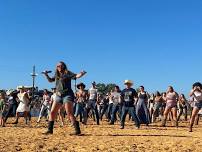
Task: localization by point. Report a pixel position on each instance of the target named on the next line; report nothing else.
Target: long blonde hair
(64, 68)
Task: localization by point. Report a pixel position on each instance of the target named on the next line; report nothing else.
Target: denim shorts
(65, 99)
(198, 105)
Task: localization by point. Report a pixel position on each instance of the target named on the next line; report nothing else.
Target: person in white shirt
(46, 104)
(92, 103)
(110, 106)
(23, 107)
(196, 92)
(116, 98)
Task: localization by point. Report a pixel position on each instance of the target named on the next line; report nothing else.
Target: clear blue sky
(155, 43)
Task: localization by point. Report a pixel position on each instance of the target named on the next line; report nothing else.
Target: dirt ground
(100, 138)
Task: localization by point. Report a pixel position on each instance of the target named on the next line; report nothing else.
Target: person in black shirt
(65, 95)
(13, 104)
(128, 96)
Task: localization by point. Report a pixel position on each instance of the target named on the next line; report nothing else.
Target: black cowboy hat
(93, 83)
(81, 84)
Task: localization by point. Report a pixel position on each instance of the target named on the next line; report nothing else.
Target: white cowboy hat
(128, 82)
(9, 92)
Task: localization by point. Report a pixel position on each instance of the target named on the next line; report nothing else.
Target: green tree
(101, 88)
(105, 88)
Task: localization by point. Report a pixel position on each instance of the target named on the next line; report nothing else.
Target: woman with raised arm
(196, 92)
(65, 95)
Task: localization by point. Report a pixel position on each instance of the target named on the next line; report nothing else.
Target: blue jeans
(116, 108)
(142, 112)
(103, 110)
(80, 111)
(11, 111)
(109, 111)
(132, 112)
(92, 105)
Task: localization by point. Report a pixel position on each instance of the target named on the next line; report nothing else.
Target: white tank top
(197, 96)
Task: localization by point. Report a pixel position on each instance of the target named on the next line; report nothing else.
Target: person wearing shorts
(64, 95)
(171, 106)
(196, 92)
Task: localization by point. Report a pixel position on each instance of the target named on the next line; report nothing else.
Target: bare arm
(192, 93)
(49, 78)
(81, 74)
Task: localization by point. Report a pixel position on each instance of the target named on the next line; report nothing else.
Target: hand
(83, 72)
(46, 72)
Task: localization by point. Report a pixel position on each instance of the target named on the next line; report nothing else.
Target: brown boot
(77, 129)
(50, 128)
(176, 123)
(190, 128)
(163, 124)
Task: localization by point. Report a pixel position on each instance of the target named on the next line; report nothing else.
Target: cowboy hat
(93, 83)
(9, 92)
(81, 84)
(128, 82)
(20, 87)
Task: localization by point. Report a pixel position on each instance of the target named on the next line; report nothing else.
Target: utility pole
(33, 74)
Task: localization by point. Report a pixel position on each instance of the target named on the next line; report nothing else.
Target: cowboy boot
(176, 123)
(190, 128)
(163, 122)
(50, 128)
(77, 128)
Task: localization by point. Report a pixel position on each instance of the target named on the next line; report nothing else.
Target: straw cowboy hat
(20, 87)
(128, 82)
(81, 84)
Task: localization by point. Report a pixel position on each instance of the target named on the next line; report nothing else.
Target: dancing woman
(46, 104)
(81, 99)
(116, 97)
(142, 111)
(23, 107)
(65, 95)
(196, 92)
(171, 105)
(2, 108)
(182, 107)
(158, 106)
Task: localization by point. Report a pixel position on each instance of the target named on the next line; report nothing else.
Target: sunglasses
(59, 66)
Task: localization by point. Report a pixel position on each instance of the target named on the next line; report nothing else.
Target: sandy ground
(100, 138)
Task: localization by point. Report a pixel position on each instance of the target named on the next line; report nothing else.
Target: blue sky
(155, 43)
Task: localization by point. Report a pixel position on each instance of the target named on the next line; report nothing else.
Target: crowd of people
(81, 105)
